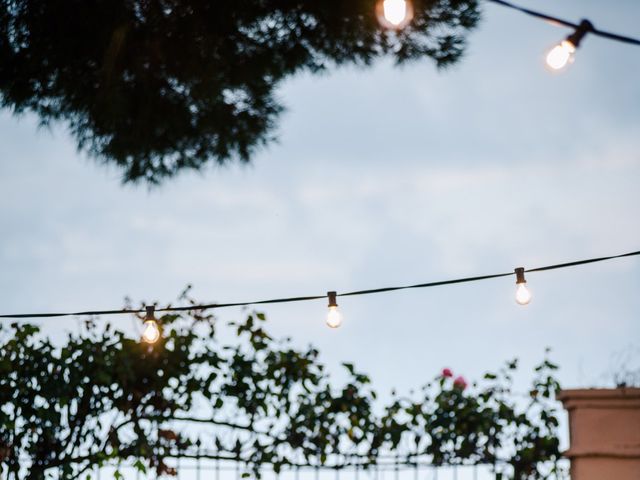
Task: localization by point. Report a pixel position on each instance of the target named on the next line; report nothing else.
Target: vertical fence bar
(397, 468)
(198, 463)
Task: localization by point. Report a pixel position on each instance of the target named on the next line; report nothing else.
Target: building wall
(604, 428)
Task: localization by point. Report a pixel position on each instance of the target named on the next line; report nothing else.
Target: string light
(151, 331)
(394, 14)
(334, 316)
(397, 14)
(154, 328)
(523, 295)
(563, 53)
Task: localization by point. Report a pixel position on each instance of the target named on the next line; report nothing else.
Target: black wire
(425, 285)
(582, 262)
(318, 297)
(74, 314)
(239, 304)
(567, 23)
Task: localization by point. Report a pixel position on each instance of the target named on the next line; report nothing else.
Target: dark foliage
(102, 398)
(157, 86)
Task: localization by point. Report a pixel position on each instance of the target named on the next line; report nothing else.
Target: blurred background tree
(159, 86)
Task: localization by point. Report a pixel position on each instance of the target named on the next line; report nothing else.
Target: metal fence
(222, 470)
(207, 469)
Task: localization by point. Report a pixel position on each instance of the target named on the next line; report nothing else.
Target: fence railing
(201, 469)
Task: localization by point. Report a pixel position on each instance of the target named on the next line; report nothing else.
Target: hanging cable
(566, 23)
(331, 295)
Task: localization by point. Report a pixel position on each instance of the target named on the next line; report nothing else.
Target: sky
(380, 177)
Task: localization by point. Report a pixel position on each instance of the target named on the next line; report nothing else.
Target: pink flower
(460, 382)
(447, 373)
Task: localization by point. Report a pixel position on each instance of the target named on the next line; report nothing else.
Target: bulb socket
(576, 37)
(520, 275)
(332, 299)
(150, 313)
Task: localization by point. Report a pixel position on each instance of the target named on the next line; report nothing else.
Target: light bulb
(334, 317)
(560, 55)
(394, 14)
(151, 332)
(523, 295)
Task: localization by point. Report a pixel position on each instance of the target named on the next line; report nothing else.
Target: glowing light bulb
(151, 330)
(334, 317)
(395, 11)
(560, 55)
(394, 14)
(523, 295)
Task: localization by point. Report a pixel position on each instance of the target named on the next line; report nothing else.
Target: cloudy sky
(382, 176)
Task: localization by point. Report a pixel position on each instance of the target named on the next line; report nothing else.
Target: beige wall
(604, 427)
